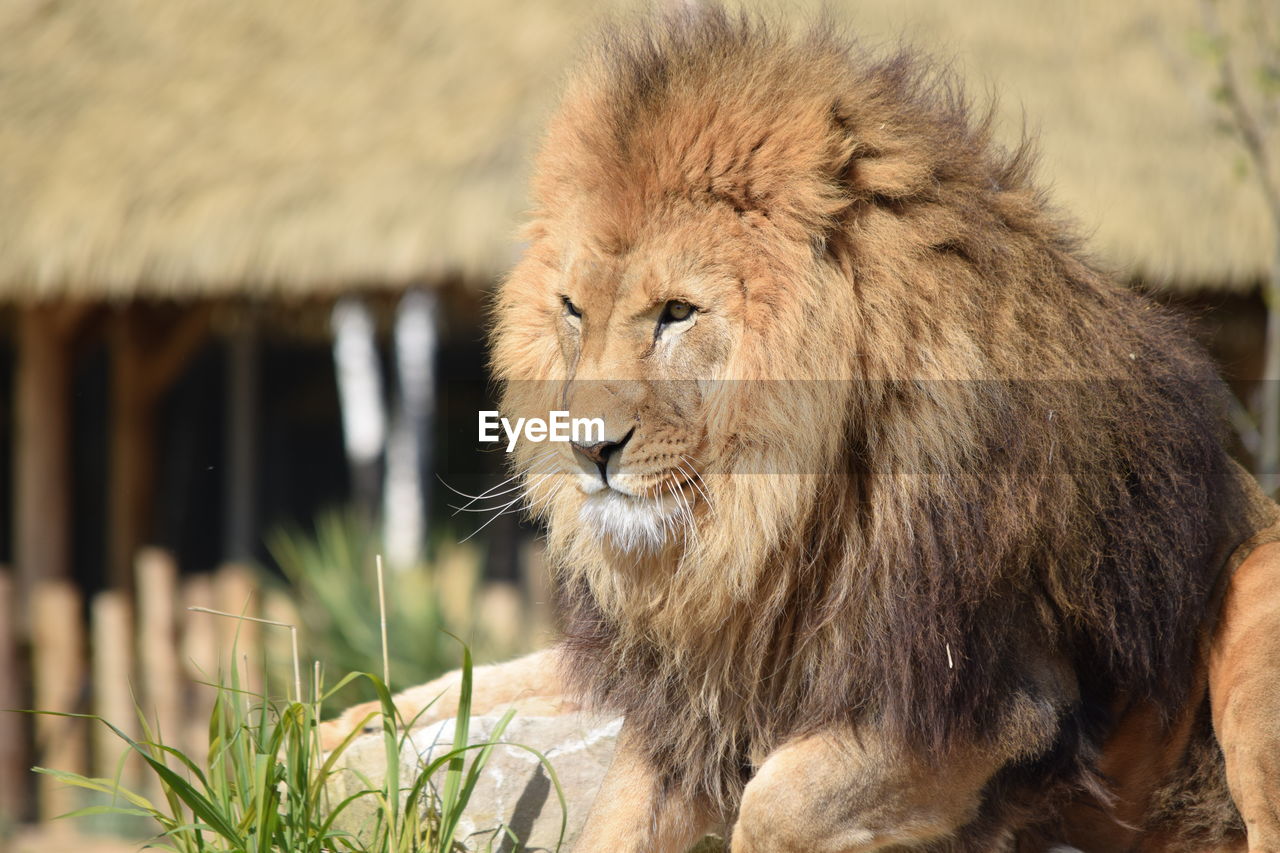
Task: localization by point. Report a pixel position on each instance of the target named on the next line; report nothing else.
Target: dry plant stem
(293, 635)
(382, 617)
(1253, 135)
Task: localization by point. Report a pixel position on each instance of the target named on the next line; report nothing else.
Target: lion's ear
(877, 157)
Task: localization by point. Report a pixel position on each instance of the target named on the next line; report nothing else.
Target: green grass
(265, 785)
(329, 575)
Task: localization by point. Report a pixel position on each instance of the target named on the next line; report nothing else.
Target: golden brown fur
(916, 485)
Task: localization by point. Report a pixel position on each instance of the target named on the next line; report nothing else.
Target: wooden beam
(42, 451)
(15, 778)
(147, 356)
(132, 452)
(169, 351)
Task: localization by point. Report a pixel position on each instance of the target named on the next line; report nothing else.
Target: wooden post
(199, 659)
(236, 592)
(111, 624)
(278, 643)
(457, 575)
(58, 675)
(158, 642)
(42, 451)
(14, 761)
(132, 454)
(500, 612)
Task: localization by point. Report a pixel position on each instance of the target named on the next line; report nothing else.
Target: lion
(909, 527)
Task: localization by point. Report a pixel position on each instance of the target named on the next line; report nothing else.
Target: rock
(514, 792)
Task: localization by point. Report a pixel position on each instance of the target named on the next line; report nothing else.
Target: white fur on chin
(630, 523)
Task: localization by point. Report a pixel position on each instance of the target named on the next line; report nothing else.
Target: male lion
(909, 527)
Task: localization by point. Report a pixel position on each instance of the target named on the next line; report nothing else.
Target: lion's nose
(600, 452)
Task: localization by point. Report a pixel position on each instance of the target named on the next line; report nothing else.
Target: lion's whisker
(510, 483)
(532, 503)
(550, 496)
(496, 516)
(513, 508)
(694, 479)
(485, 493)
(467, 507)
(491, 492)
(693, 527)
(695, 475)
(503, 509)
(666, 519)
(686, 512)
(684, 515)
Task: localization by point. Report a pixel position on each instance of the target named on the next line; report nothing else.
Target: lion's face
(636, 335)
(650, 342)
(704, 342)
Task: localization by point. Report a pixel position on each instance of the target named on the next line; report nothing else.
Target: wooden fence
(147, 652)
(115, 653)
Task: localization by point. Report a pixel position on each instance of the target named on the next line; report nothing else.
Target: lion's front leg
(531, 683)
(635, 813)
(837, 793)
(1244, 691)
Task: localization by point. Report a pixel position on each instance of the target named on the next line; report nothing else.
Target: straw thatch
(206, 147)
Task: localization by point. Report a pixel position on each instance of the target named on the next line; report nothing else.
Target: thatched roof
(229, 146)
(217, 146)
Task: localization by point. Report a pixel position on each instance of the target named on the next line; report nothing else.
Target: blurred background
(245, 249)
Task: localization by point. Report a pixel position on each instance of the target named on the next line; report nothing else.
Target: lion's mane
(1025, 462)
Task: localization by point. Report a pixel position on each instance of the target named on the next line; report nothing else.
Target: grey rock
(515, 795)
(515, 792)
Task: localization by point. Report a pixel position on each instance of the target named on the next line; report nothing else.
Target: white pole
(408, 448)
(359, 374)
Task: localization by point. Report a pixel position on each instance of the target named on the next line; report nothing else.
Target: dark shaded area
(1232, 326)
(6, 443)
(188, 511)
(530, 804)
(90, 446)
(303, 465)
(301, 468)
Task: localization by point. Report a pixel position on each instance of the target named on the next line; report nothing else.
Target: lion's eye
(570, 308)
(675, 311)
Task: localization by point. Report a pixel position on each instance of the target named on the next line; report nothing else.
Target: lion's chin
(630, 523)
